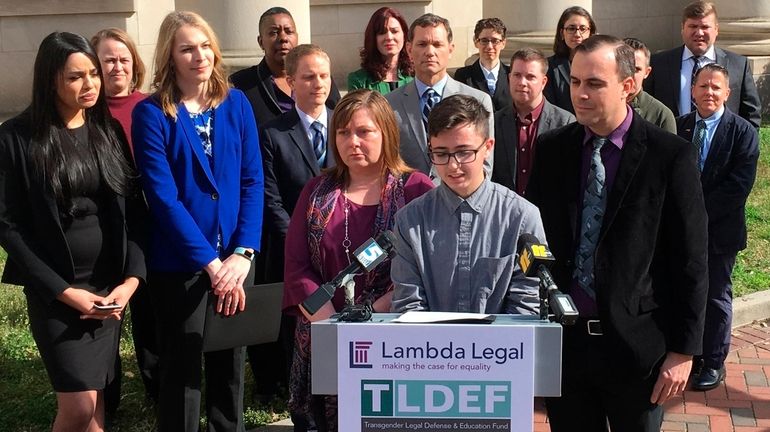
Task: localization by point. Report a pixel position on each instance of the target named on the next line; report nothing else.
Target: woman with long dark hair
(196, 145)
(69, 215)
(575, 25)
(385, 64)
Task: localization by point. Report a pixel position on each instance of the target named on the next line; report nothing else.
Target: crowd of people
(635, 168)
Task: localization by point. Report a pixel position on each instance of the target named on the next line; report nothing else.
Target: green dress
(361, 79)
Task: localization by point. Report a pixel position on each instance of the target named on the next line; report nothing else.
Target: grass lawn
(27, 402)
(752, 269)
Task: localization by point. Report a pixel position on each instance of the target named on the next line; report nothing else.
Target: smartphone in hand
(108, 307)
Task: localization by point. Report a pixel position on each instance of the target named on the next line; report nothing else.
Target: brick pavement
(740, 404)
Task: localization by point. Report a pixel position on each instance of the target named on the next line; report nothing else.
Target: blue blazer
(727, 178)
(663, 82)
(191, 202)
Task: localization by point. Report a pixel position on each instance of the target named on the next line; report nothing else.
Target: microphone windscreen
(386, 239)
(526, 238)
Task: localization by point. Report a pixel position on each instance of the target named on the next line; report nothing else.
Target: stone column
(530, 24)
(744, 27)
(236, 24)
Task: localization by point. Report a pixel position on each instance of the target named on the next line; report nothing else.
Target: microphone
(535, 259)
(365, 259)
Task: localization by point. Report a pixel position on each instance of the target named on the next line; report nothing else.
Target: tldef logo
(446, 399)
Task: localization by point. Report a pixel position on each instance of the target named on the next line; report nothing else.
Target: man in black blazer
(529, 117)
(290, 158)
(488, 73)
(624, 216)
(288, 152)
(729, 149)
(265, 84)
(672, 70)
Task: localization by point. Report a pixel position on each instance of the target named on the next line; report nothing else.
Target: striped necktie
(695, 68)
(594, 204)
(430, 99)
(319, 144)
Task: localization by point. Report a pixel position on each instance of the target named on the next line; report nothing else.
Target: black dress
(80, 354)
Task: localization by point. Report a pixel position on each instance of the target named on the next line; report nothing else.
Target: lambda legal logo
(359, 354)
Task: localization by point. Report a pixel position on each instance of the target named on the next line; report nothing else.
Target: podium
(547, 344)
(441, 377)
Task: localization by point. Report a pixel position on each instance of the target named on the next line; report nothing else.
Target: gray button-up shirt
(459, 255)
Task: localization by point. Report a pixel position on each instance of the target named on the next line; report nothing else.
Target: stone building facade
(337, 26)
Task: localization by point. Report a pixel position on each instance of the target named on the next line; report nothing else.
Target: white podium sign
(435, 377)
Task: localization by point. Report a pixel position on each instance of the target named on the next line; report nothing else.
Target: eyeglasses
(574, 29)
(461, 156)
(486, 41)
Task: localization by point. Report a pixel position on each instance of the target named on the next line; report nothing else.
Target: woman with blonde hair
(197, 149)
(336, 212)
(123, 71)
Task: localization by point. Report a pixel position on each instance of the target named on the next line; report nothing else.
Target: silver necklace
(346, 242)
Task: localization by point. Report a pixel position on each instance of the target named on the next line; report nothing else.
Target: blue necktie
(319, 144)
(594, 204)
(430, 99)
(491, 83)
(698, 139)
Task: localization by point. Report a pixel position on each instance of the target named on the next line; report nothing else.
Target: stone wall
(23, 24)
(338, 25)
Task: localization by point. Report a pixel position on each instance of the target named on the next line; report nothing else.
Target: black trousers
(594, 395)
(145, 338)
(719, 310)
(270, 362)
(180, 305)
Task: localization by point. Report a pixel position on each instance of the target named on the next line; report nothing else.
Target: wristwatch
(246, 253)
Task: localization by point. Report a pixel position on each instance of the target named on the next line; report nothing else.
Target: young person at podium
(456, 245)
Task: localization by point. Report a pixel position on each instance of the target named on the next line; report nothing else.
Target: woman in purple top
(337, 212)
(123, 71)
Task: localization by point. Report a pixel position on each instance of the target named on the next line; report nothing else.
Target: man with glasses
(728, 149)
(488, 73)
(456, 245)
(430, 46)
(672, 70)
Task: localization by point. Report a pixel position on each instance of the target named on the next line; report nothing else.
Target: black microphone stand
(353, 312)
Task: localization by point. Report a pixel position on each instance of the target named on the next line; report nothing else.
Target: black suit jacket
(727, 178)
(663, 82)
(557, 88)
(289, 163)
(507, 139)
(473, 76)
(650, 261)
(255, 83)
(30, 230)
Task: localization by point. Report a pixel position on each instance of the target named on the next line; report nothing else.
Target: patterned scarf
(322, 203)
